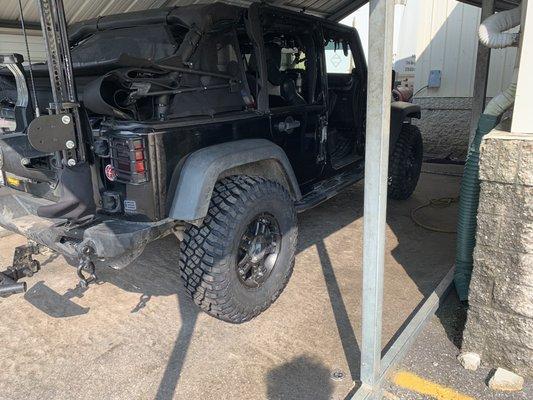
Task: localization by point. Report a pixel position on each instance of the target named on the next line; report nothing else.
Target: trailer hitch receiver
(23, 266)
(9, 286)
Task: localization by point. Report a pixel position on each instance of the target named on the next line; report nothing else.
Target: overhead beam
(347, 9)
(352, 6)
(500, 5)
(34, 26)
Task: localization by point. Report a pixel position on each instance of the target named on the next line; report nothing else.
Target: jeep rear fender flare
(400, 112)
(202, 169)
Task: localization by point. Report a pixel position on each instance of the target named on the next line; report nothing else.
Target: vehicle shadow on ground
(155, 273)
(301, 378)
(161, 279)
(342, 318)
(52, 303)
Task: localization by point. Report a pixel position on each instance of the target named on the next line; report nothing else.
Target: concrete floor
(433, 358)
(136, 335)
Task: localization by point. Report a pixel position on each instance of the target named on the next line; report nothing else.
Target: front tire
(237, 263)
(405, 163)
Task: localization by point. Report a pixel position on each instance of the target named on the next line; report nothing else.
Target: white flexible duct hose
(491, 35)
(502, 102)
(491, 30)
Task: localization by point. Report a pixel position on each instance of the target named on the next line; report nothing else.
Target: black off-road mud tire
(405, 163)
(208, 254)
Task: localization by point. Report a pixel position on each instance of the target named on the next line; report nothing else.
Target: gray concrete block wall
(500, 317)
(444, 125)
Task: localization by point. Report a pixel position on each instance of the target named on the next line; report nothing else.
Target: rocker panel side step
(329, 188)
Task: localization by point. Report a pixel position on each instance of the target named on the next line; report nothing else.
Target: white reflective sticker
(130, 205)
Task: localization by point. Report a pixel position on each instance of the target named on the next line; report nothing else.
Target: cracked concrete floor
(136, 335)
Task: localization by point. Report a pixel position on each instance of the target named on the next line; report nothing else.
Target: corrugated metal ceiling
(500, 4)
(79, 10)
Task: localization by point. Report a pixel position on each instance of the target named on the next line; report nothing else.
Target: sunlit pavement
(135, 335)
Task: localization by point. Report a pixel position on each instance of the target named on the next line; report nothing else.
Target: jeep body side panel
(400, 111)
(170, 143)
(202, 169)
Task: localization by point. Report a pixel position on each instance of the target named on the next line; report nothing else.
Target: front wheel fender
(401, 112)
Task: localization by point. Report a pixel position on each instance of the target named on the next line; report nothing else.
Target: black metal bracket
(61, 125)
(23, 266)
(54, 24)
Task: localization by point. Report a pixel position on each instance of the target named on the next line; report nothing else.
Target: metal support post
(481, 75)
(381, 24)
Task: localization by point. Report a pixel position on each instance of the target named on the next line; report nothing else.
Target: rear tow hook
(86, 269)
(23, 266)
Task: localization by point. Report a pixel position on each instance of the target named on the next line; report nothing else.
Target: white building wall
(447, 41)
(13, 43)
(442, 35)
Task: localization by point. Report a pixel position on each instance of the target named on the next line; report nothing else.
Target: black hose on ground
(468, 203)
(435, 203)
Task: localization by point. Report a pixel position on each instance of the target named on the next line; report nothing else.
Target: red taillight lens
(139, 157)
(129, 156)
(139, 150)
(139, 166)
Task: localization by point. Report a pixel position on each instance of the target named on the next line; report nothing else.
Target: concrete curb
(443, 169)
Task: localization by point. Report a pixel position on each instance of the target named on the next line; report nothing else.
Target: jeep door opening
(216, 123)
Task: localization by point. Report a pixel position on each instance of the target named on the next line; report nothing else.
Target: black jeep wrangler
(215, 123)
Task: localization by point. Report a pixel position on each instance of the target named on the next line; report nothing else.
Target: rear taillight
(129, 158)
(139, 157)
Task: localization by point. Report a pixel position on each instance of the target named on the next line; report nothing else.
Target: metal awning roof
(499, 4)
(79, 10)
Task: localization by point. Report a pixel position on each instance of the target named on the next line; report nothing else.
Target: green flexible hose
(468, 202)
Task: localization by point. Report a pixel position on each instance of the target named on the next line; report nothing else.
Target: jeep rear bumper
(115, 242)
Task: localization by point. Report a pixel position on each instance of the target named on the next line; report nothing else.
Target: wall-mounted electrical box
(434, 79)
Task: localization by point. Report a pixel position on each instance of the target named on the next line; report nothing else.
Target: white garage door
(15, 44)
